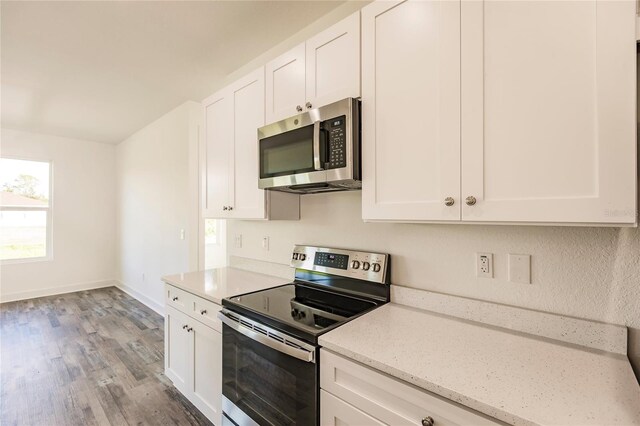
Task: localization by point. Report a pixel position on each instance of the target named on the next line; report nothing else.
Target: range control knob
(366, 266)
(355, 264)
(302, 256)
(376, 267)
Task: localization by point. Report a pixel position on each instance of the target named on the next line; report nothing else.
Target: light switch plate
(520, 268)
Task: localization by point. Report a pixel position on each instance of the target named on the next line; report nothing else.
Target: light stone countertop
(216, 284)
(511, 376)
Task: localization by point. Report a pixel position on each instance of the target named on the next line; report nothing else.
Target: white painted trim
(160, 309)
(52, 291)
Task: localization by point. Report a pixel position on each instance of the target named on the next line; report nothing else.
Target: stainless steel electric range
(270, 364)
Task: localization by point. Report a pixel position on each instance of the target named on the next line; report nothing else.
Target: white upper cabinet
(285, 85)
(218, 132)
(411, 110)
(321, 71)
(230, 169)
(548, 111)
(514, 111)
(333, 63)
(248, 201)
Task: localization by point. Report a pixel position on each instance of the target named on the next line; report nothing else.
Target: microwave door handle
(317, 164)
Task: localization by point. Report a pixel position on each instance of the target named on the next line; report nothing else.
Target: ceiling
(101, 70)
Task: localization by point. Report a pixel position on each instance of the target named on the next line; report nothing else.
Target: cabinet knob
(449, 201)
(428, 421)
(308, 105)
(225, 208)
(471, 200)
(230, 208)
(202, 312)
(175, 299)
(299, 108)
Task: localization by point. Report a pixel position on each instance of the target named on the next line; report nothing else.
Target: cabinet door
(217, 143)
(205, 383)
(247, 95)
(411, 110)
(285, 85)
(548, 111)
(336, 412)
(176, 349)
(333, 63)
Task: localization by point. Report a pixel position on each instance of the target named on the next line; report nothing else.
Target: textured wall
(589, 273)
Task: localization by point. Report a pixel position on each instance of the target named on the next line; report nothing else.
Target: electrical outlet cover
(520, 268)
(484, 265)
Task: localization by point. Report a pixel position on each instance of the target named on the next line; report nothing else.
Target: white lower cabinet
(193, 352)
(352, 394)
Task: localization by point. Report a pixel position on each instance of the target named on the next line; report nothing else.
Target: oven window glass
(270, 387)
(287, 153)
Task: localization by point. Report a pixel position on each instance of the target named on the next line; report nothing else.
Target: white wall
(83, 217)
(157, 197)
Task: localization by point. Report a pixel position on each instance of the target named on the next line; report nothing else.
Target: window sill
(26, 260)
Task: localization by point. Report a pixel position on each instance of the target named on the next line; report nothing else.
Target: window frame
(49, 210)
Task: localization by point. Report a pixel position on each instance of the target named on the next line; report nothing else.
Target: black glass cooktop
(301, 310)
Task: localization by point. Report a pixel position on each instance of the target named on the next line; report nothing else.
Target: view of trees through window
(24, 208)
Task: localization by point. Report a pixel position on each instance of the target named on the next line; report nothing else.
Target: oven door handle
(298, 351)
(317, 162)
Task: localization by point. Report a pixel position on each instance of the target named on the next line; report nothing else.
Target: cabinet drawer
(179, 299)
(390, 400)
(207, 313)
(336, 412)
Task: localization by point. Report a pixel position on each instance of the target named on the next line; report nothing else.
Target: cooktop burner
(303, 307)
(332, 286)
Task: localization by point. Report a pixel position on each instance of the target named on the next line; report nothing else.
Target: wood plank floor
(87, 358)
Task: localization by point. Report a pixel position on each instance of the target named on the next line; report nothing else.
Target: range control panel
(349, 263)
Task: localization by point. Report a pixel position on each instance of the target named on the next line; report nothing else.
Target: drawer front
(336, 412)
(179, 299)
(390, 400)
(207, 313)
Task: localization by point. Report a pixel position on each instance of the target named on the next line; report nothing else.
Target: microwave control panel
(336, 131)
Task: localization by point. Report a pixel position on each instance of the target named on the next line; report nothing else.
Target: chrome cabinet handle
(175, 299)
(202, 312)
(225, 208)
(471, 200)
(449, 201)
(230, 208)
(184, 327)
(299, 108)
(308, 105)
(189, 330)
(428, 421)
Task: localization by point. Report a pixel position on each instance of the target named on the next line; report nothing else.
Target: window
(25, 216)
(210, 234)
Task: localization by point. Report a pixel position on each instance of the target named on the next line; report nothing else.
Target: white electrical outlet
(520, 268)
(265, 243)
(239, 241)
(484, 265)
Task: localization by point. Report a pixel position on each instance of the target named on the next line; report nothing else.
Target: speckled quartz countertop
(511, 376)
(216, 284)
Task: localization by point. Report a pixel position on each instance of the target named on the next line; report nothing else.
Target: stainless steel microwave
(316, 151)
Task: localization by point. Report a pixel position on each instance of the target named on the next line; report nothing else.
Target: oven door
(268, 377)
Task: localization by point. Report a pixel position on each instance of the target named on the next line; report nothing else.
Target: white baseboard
(52, 291)
(140, 297)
